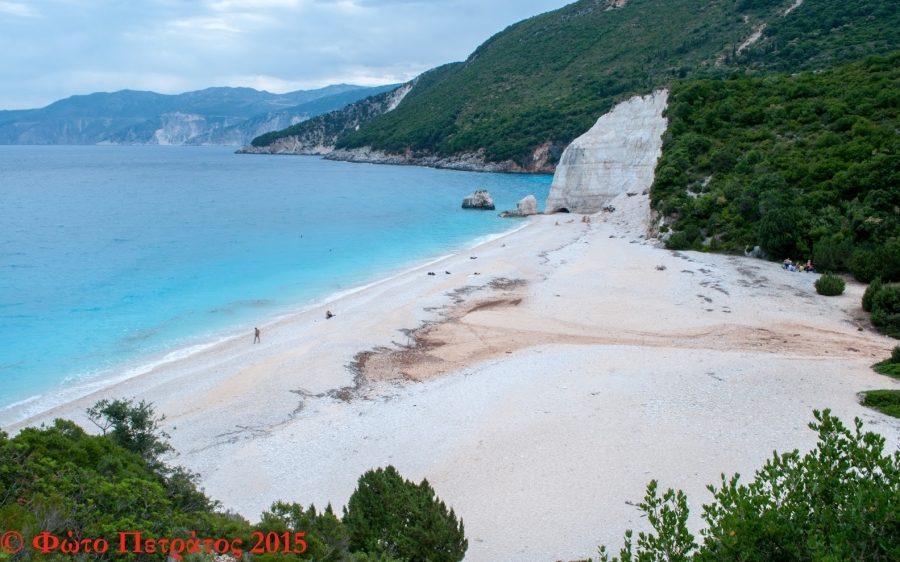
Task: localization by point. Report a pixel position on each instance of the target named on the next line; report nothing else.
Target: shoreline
(565, 364)
(112, 377)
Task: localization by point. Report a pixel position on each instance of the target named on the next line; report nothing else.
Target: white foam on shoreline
(89, 383)
(93, 382)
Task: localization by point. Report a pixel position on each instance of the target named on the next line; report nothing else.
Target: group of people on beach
(800, 266)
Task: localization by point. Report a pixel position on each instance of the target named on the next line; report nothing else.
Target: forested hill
(802, 164)
(547, 79)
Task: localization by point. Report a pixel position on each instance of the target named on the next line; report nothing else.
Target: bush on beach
(880, 263)
(885, 401)
(833, 254)
(886, 310)
(887, 368)
(870, 293)
(830, 285)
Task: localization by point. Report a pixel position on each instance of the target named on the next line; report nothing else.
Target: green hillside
(819, 33)
(806, 166)
(339, 123)
(550, 77)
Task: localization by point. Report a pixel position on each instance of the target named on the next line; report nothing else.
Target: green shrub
(830, 285)
(872, 290)
(886, 310)
(678, 241)
(885, 401)
(887, 368)
(883, 263)
(834, 503)
(389, 515)
(832, 254)
(863, 266)
(807, 173)
(778, 232)
(890, 366)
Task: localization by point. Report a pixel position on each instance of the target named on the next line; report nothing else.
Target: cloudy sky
(52, 49)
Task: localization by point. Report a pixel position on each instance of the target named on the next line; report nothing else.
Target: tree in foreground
(388, 515)
(131, 426)
(841, 501)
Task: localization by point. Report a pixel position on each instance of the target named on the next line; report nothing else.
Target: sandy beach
(538, 381)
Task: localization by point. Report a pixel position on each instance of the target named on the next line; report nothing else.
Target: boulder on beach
(524, 208)
(481, 199)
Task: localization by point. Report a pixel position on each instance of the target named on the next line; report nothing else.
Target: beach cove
(118, 259)
(539, 385)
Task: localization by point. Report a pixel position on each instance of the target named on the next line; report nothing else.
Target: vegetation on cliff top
(806, 166)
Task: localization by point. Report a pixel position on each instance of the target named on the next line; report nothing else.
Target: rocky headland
(319, 135)
(541, 161)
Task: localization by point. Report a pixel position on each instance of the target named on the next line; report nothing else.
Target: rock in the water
(618, 155)
(481, 199)
(524, 208)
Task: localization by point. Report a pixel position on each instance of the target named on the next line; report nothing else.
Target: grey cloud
(170, 46)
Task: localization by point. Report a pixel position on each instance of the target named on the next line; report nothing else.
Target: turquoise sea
(114, 258)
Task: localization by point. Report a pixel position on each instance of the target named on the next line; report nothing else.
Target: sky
(52, 49)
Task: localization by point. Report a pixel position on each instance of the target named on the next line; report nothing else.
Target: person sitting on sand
(809, 266)
(786, 264)
(328, 315)
(256, 335)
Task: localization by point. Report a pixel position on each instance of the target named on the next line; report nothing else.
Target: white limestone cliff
(617, 155)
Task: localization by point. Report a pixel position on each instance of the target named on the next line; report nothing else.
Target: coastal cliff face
(319, 135)
(617, 155)
(245, 131)
(175, 128)
(541, 160)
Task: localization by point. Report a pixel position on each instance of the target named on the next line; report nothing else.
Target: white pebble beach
(538, 396)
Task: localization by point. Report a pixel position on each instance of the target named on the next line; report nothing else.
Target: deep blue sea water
(113, 257)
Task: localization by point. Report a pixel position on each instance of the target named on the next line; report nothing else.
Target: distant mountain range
(214, 116)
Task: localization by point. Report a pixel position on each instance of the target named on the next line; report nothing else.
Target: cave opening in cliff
(563, 210)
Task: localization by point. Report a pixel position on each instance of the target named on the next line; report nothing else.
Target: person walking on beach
(256, 335)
